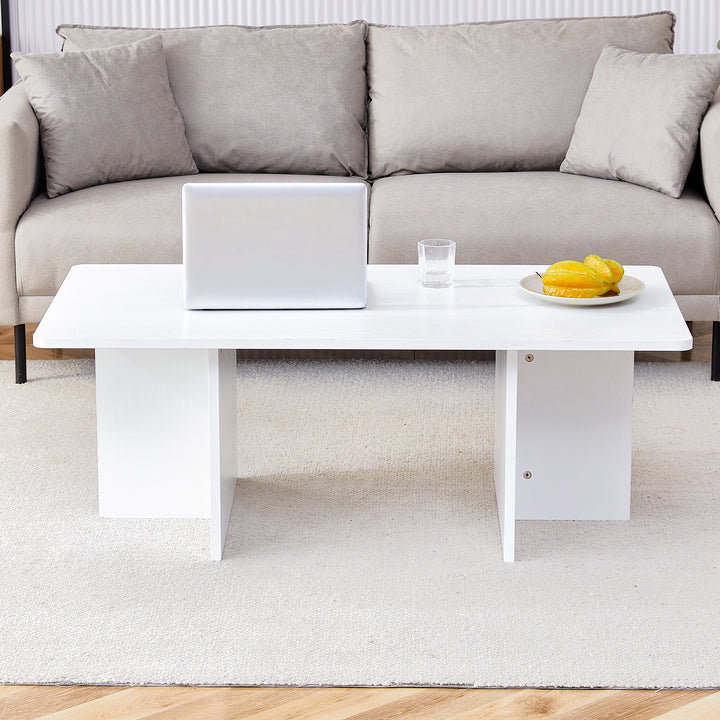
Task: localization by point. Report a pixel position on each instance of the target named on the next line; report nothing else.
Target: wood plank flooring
(204, 703)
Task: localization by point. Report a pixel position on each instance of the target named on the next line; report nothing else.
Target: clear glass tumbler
(436, 262)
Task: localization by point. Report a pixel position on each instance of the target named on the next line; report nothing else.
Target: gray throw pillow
(105, 115)
(640, 118)
(278, 99)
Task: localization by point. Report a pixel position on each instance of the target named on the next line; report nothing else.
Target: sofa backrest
(489, 96)
(277, 99)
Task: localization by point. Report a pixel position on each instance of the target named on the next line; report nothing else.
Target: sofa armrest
(21, 177)
(710, 154)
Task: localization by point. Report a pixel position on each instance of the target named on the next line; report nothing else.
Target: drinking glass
(436, 262)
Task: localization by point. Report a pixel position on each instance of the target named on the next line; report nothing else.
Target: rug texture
(363, 547)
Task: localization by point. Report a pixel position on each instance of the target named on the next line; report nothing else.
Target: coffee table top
(140, 306)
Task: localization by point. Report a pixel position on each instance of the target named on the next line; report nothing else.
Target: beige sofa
(460, 131)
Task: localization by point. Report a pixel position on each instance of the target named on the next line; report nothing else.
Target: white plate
(628, 286)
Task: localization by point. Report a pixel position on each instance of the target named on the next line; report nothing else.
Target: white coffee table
(166, 381)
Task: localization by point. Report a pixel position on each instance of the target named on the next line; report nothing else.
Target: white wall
(32, 22)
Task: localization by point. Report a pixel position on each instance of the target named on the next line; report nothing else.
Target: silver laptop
(272, 245)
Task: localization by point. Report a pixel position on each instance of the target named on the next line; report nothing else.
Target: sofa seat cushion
(276, 99)
(130, 222)
(542, 217)
(489, 96)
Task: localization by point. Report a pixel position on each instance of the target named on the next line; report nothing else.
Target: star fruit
(591, 278)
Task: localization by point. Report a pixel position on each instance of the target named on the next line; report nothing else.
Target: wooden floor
(183, 703)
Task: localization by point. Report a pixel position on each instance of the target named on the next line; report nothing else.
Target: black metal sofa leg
(20, 357)
(715, 359)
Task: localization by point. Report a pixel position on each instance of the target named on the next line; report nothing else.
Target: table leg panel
(505, 447)
(223, 434)
(563, 437)
(574, 435)
(153, 433)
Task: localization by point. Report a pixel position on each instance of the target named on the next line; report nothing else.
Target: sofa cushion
(131, 222)
(541, 217)
(105, 115)
(640, 118)
(262, 99)
(489, 96)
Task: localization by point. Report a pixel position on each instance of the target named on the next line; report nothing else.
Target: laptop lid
(273, 245)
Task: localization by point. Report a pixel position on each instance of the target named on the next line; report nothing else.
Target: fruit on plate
(571, 278)
(591, 278)
(608, 269)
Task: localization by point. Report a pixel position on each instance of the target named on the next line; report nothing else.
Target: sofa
(525, 141)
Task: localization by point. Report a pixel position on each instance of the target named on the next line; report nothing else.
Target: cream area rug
(363, 547)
